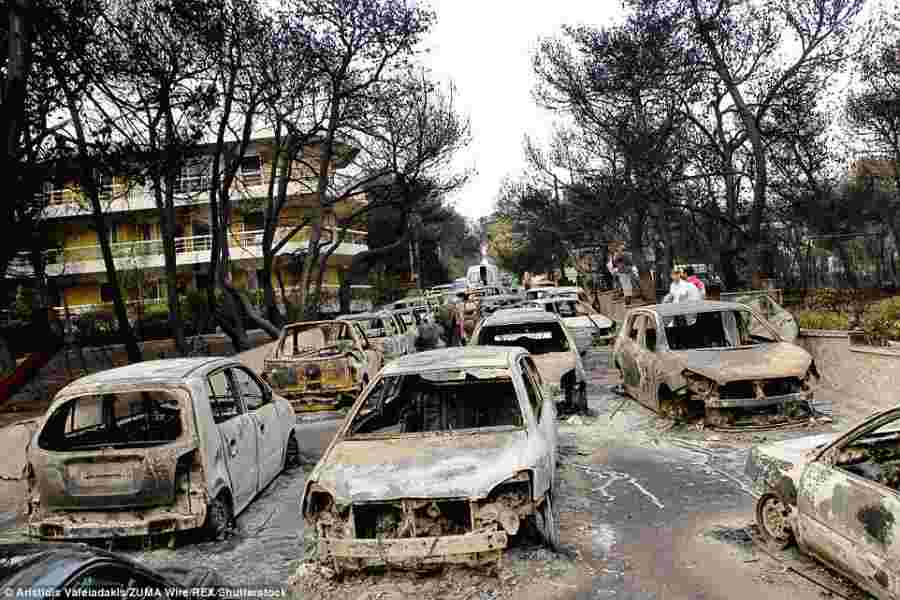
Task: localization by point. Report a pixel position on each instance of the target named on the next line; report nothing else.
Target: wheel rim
(774, 520)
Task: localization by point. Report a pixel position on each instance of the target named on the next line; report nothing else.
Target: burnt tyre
(292, 453)
(773, 520)
(547, 521)
(219, 517)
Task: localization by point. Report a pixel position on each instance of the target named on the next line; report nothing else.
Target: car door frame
(239, 439)
(374, 358)
(816, 530)
(629, 351)
(646, 364)
(270, 441)
(545, 425)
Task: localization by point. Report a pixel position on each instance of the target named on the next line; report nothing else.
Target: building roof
(671, 309)
(491, 357)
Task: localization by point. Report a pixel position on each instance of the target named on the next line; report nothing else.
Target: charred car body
(718, 357)
(550, 343)
(585, 323)
(836, 496)
(383, 332)
(156, 447)
(439, 461)
(320, 365)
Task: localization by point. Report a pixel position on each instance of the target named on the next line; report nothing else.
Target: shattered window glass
(462, 400)
(122, 419)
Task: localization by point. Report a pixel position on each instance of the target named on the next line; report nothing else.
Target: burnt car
(321, 365)
(154, 448)
(411, 320)
(439, 461)
(383, 332)
(550, 344)
(60, 569)
(836, 496)
(585, 323)
(720, 359)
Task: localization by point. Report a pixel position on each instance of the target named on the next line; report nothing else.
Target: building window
(251, 170)
(194, 177)
(106, 292)
(105, 186)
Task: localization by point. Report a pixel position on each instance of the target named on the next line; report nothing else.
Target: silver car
(156, 447)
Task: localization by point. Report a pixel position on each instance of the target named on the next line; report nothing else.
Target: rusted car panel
(443, 486)
(550, 343)
(720, 354)
(836, 497)
(319, 365)
(103, 464)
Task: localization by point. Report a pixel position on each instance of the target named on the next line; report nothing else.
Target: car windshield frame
(433, 378)
(294, 330)
(741, 330)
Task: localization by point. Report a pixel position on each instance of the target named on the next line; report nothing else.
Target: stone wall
(866, 375)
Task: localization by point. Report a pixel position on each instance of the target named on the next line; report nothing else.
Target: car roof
(379, 314)
(160, 371)
(496, 357)
(65, 557)
(671, 309)
(520, 316)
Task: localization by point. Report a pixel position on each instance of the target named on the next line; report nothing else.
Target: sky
(485, 47)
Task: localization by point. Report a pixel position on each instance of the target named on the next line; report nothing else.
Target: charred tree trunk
(89, 185)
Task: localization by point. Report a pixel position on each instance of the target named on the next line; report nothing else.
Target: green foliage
(881, 322)
(823, 319)
(26, 300)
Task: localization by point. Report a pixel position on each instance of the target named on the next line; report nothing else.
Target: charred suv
(836, 496)
(440, 461)
(318, 365)
(719, 357)
(156, 447)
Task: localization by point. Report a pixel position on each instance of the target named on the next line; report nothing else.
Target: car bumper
(757, 402)
(73, 525)
(321, 399)
(473, 547)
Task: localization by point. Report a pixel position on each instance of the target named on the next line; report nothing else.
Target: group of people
(685, 286)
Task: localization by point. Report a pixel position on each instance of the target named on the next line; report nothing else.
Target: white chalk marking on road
(617, 476)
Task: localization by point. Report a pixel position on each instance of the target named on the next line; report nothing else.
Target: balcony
(148, 254)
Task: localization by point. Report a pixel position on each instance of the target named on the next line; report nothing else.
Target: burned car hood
(457, 465)
(769, 464)
(766, 361)
(553, 365)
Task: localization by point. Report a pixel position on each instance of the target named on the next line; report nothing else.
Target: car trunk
(118, 449)
(107, 479)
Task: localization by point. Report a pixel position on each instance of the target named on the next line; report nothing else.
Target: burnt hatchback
(721, 359)
(438, 462)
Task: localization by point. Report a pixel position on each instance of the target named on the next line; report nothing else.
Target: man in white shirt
(680, 290)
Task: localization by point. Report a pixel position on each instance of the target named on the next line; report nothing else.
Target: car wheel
(219, 517)
(548, 521)
(292, 453)
(582, 397)
(772, 518)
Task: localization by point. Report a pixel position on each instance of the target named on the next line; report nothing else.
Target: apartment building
(75, 266)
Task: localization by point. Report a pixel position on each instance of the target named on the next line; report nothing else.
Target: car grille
(770, 387)
(412, 518)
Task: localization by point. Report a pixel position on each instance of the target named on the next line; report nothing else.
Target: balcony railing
(197, 243)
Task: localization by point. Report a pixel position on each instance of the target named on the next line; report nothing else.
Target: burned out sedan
(585, 323)
(717, 358)
(321, 365)
(154, 448)
(439, 461)
(551, 344)
(836, 496)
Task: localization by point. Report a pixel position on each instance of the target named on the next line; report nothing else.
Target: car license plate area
(106, 476)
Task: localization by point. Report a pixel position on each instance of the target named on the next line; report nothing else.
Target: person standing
(692, 278)
(621, 266)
